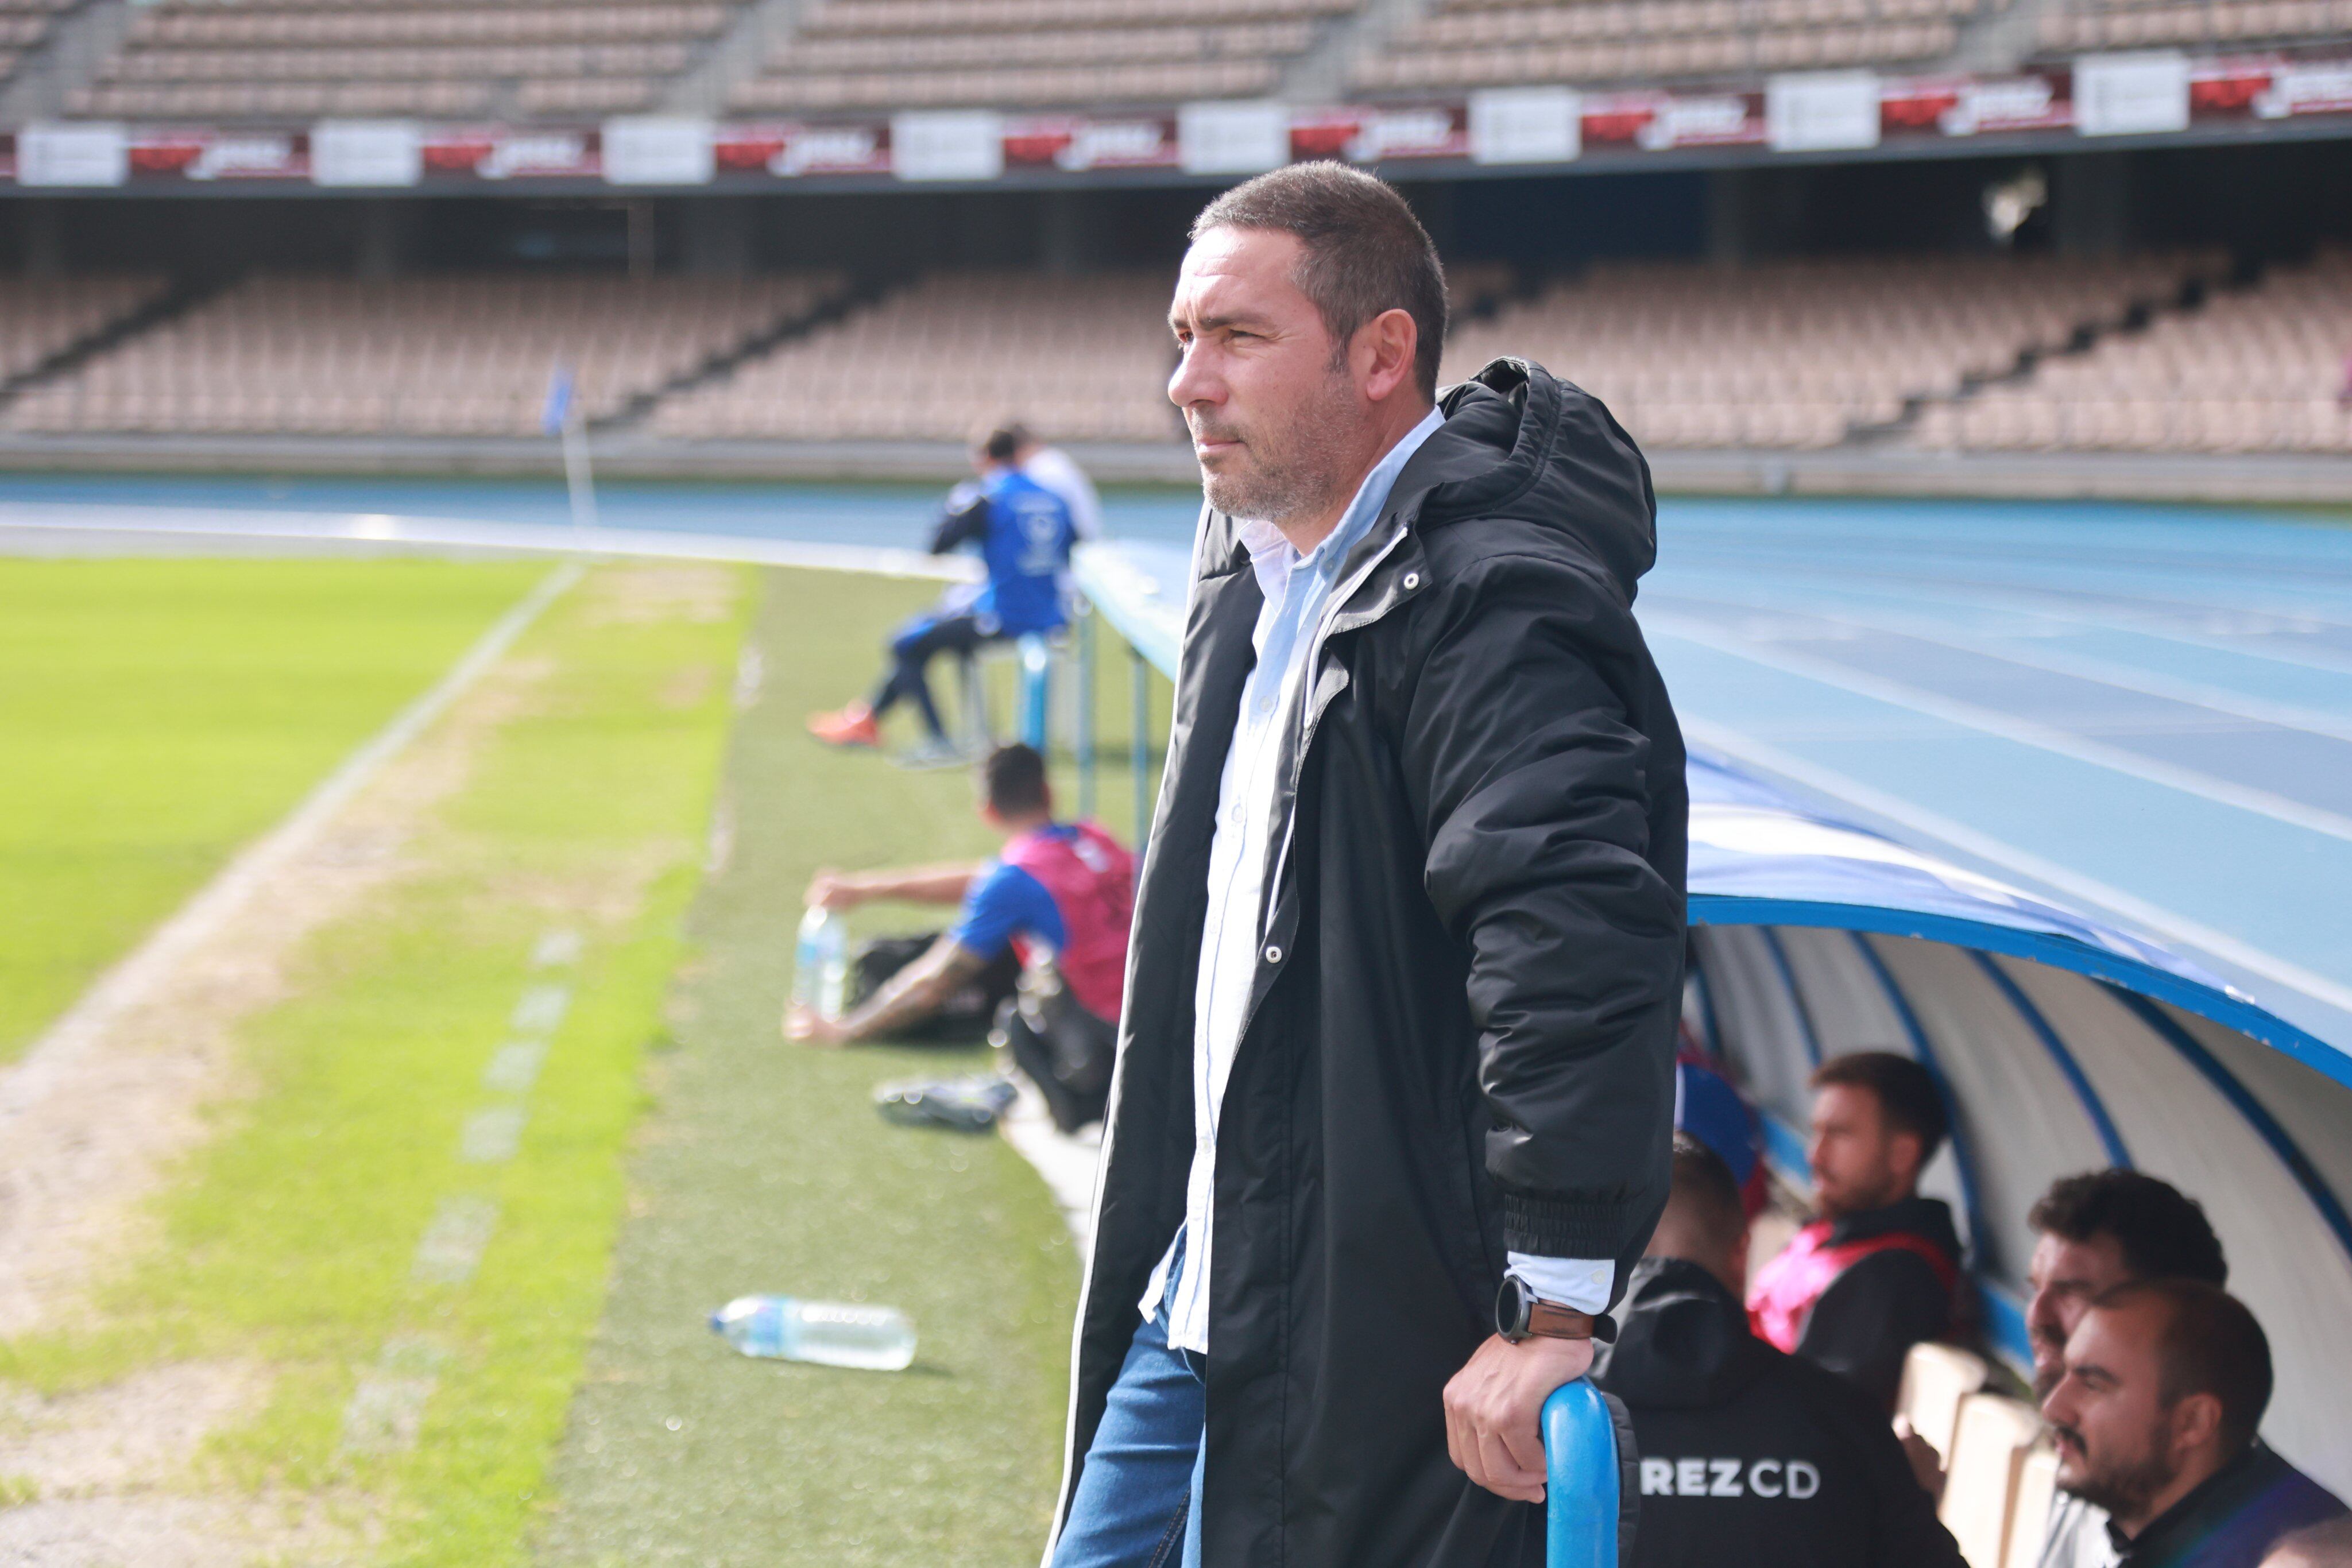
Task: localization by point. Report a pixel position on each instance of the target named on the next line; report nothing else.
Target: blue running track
(2144, 709)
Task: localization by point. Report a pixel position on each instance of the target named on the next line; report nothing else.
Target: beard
(1291, 464)
(2122, 1487)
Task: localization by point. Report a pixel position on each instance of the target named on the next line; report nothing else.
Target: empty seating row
(290, 58)
(1796, 354)
(1101, 46)
(1083, 359)
(397, 65)
(2214, 22)
(1032, 86)
(1705, 55)
(872, 16)
(2265, 369)
(41, 316)
(138, 100)
(447, 356)
(199, 23)
(1633, 19)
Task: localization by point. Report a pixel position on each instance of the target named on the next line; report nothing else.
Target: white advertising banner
(1526, 125)
(1232, 137)
(1821, 111)
(2131, 95)
(954, 145)
(73, 155)
(352, 152)
(659, 150)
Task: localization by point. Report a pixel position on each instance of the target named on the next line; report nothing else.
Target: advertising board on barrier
(1526, 125)
(655, 149)
(359, 153)
(69, 155)
(956, 144)
(2158, 92)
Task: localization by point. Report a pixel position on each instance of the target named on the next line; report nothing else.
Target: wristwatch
(1520, 1313)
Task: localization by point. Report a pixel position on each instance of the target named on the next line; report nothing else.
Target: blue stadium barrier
(1582, 1480)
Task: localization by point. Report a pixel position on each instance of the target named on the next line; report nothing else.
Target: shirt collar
(1271, 555)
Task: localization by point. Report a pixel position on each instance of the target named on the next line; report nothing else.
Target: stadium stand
(1795, 354)
(1080, 359)
(514, 59)
(445, 356)
(911, 54)
(2071, 25)
(24, 25)
(2262, 369)
(1492, 43)
(40, 318)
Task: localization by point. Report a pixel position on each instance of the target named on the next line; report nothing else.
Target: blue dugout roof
(2064, 1042)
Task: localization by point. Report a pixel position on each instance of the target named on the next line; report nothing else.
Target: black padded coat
(1465, 1044)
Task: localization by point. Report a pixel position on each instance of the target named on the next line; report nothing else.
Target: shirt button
(1274, 955)
(1412, 581)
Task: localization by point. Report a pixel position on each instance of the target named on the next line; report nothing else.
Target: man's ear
(1385, 347)
(2196, 1420)
(1909, 1151)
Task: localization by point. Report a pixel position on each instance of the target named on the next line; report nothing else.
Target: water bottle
(831, 1333)
(821, 970)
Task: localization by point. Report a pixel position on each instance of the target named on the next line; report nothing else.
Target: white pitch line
(135, 977)
(379, 529)
(2007, 726)
(1960, 836)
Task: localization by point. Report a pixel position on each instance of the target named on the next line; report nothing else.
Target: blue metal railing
(1582, 1481)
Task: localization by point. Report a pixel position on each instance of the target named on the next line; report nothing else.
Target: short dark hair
(1013, 780)
(1703, 1195)
(2161, 1231)
(1906, 1092)
(1366, 251)
(2209, 1342)
(1000, 443)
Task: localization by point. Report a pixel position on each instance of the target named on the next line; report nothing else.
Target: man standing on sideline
(1408, 950)
(1876, 1273)
(2092, 1233)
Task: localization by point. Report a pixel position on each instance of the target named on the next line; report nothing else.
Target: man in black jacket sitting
(1749, 1458)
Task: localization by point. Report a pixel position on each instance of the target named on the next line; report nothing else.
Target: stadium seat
(1990, 1441)
(2029, 1516)
(1936, 1379)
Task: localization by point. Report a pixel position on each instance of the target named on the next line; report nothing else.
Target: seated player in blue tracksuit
(1025, 532)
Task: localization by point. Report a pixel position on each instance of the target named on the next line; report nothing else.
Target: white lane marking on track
(377, 529)
(138, 975)
(454, 1242)
(387, 1408)
(1960, 836)
(2007, 726)
(2024, 651)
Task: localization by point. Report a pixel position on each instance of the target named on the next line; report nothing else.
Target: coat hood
(1682, 1341)
(1518, 442)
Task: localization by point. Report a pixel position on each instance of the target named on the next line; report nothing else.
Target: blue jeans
(1139, 1500)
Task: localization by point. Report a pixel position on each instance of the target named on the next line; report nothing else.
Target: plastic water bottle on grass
(821, 967)
(831, 1333)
